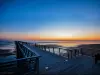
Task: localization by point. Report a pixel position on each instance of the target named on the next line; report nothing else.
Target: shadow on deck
(50, 63)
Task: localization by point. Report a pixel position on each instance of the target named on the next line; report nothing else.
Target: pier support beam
(68, 54)
(18, 51)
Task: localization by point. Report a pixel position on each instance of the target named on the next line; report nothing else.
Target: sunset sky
(50, 19)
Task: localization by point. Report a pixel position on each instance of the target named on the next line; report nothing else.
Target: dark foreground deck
(53, 64)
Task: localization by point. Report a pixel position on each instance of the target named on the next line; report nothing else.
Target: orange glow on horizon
(38, 37)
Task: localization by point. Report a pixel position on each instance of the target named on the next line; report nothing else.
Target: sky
(50, 19)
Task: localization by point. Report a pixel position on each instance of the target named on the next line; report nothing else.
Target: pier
(35, 59)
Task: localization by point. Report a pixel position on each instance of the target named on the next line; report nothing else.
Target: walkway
(53, 64)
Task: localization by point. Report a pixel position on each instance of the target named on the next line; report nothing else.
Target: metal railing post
(59, 51)
(68, 54)
(37, 66)
(53, 49)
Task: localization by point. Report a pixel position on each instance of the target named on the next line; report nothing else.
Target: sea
(7, 51)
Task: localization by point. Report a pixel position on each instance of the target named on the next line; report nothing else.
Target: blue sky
(44, 16)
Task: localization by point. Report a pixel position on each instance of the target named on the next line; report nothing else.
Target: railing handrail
(20, 43)
(32, 51)
(62, 51)
(27, 63)
(20, 59)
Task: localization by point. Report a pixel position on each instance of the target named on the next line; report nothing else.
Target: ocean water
(67, 43)
(7, 51)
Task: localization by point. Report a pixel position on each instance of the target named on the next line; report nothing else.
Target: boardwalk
(53, 64)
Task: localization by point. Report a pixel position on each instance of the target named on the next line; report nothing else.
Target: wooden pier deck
(50, 63)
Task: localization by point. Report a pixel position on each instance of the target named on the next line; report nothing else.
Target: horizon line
(47, 40)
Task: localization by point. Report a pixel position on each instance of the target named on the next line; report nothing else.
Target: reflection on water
(7, 50)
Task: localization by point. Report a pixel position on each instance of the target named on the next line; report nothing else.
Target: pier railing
(26, 51)
(20, 66)
(27, 62)
(65, 52)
